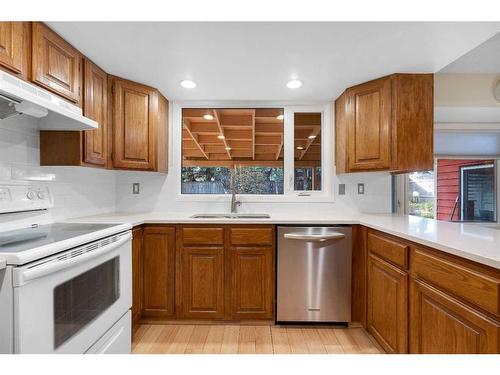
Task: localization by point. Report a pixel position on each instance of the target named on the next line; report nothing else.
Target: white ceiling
(484, 59)
(253, 61)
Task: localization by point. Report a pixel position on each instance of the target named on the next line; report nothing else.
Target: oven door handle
(50, 267)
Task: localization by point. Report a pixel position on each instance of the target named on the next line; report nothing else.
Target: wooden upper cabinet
(341, 134)
(158, 271)
(440, 324)
(369, 116)
(15, 40)
(82, 148)
(55, 64)
(140, 127)
(386, 124)
(95, 106)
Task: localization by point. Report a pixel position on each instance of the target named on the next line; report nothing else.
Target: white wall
(158, 193)
(465, 90)
(77, 191)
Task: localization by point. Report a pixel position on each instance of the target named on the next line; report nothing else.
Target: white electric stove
(64, 287)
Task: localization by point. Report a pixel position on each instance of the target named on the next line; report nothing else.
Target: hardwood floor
(248, 339)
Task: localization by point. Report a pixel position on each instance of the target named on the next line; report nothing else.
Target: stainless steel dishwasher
(314, 274)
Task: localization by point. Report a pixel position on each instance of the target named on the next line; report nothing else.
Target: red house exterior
(448, 185)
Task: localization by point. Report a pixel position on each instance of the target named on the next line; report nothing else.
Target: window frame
(495, 187)
(400, 190)
(289, 194)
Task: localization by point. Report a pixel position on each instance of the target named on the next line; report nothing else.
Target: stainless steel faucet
(234, 202)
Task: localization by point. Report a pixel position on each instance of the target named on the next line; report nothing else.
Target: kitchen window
(463, 190)
(241, 143)
(269, 153)
(477, 193)
(307, 151)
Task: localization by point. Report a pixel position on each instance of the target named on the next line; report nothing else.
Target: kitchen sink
(231, 216)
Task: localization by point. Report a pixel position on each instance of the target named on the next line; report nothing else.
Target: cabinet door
(201, 278)
(387, 299)
(159, 274)
(252, 283)
(56, 65)
(134, 125)
(14, 47)
(341, 134)
(441, 324)
(369, 117)
(137, 272)
(95, 106)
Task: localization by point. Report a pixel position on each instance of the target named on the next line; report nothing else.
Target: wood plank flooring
(248, 339)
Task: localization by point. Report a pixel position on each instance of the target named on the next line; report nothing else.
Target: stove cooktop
(24, 245)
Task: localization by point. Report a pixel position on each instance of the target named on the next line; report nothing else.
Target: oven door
(66, 303)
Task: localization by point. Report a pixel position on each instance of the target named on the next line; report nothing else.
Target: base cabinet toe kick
(410, 298)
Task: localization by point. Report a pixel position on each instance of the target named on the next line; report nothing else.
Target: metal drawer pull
(315, 237)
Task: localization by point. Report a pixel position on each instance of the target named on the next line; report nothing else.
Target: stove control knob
(40, 195)
(30, 195)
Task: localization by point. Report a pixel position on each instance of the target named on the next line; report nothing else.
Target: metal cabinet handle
(314, 237)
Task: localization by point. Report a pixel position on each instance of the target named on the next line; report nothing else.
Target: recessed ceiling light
(208, 117)
(221, 136)
(279, 117)
(294, 84)
(300, 148)
(187, 84)
(228, 148)
(311, 137)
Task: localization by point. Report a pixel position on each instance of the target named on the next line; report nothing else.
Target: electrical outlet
(341, 189)
(361, 188)
(136, 188)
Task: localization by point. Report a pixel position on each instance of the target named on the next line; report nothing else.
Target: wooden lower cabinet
(387, 305)
(201, 281)
(421, 300)
(137, 256)
(252, 282)
(158, 271)
(225, 272)
(441, 324)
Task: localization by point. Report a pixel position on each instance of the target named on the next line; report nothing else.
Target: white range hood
(53, 113)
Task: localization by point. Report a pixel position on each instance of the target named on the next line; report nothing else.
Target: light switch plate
(341, 189)
(361, 188)
(136, 188)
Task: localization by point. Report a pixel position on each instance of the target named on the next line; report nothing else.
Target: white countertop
(470, 241)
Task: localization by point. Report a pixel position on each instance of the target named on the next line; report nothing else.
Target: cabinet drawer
(202, 236)
(252, 236)
(388, 249)
(467, 283)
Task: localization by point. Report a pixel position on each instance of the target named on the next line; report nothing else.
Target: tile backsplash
(77, 191)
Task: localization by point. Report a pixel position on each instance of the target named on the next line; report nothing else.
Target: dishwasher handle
(314, 237)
